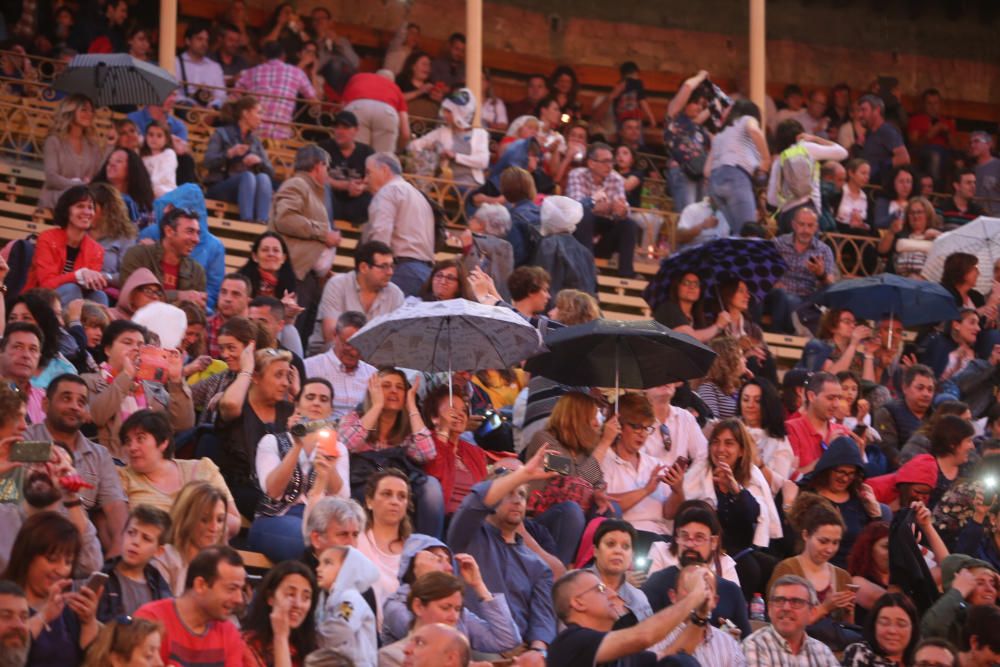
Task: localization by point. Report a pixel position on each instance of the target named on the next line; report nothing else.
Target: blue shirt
(142, 119)
(878, 149)
(508, 568)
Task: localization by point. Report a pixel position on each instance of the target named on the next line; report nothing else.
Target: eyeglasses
(668, 441)
(687, 282)
(384, 266)
(444, 277)
(794, 603)
(151, 290)
(844, 473)
(697, 540)
(599, 587)
(639, 427)
(604, 161)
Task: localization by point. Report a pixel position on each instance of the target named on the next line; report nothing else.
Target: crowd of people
(162, 418)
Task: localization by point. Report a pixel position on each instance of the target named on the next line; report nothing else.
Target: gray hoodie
(344, 620)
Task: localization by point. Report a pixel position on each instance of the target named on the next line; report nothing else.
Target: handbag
(565, 488)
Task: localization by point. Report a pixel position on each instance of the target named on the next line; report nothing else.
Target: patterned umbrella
(981, 238)
(442, 336)
(754, 261)
(115, 79)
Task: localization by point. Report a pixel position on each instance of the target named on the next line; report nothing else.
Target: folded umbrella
(116, 79)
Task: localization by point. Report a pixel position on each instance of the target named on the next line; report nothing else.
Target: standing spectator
(202, 81)
(883, 145)
(960, 208)
(813, 117)
(423, 96)
(196, 624)
(67, 259)
(282, 83)
(791, 601)
(794, 179)
(987, 170)
(342, 365)
(380, 108)
(601, 191)
(687, 141)
(347, 169)
(239, 170)
(449, 69)
(229, 55)
(403, 43)
(401, 217)
(125, 171)
(159, 158)
(739, 150)
(336, 59)
(72, 152)
(932, 135)
(494, 111)
(170, 260)
(628, 98)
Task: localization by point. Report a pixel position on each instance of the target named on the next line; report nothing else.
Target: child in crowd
(132, 579)
(159, 158)
(344, 621)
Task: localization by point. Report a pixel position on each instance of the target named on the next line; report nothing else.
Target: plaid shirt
(282, 81)
(580, 185)
(766, 648)
(798, 279)
(212, 327)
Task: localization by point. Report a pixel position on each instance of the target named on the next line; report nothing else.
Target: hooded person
(946, 616)
(209, 252)
(920, 470)
(137, 291)
(569, 263)
(344, 621)
(491, 630)
(461, 149)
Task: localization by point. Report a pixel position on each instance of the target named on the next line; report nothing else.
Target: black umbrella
(636, 355)
(115, 79)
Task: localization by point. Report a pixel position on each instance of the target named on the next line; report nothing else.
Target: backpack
(797, 172)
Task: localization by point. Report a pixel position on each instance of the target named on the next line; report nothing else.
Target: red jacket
(443, 465)
(50, 259)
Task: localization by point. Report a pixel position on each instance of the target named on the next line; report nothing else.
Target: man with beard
(42, 491)
(696, 536)
(66, 406)
(15, 641)
(785, 643)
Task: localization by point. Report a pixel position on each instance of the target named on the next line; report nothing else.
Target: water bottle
(758, 610)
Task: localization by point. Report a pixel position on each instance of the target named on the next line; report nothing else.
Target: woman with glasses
(459, 465)
(683, 310)
(127, 642)
(919, 222)
(448, 280)
(841, 344)
(729, 481)
(759, 406)
(890, 636)
(461, 150)
(724, 377)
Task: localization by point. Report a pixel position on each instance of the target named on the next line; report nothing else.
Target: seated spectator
(891, 205)
(292, 470)
(494, 111)
(44, 556)
(159, 158)
(12, 427)
(937, 651)
(72, 151)
(759, 407)
(961, 209)
(448, 280)
(980, 648)
(517, 187)
(730, 481)
(883, 145)
(125, 134)
(337, 60)
(204, 83)
(823, 392)
(344, 622)
(919, 223)
(567, 260)
(701, 221)
(280, 624)
(868, 564)
(141, 289)
(342, 365)
(950, 354)
(791, 601)
(501, 387)
(484, 245)
(821, 529)
(115, 392)
(333, 521)
(113, 231)
(20, 355)
(67, 259)
(132, 579)
(966, 582)
(269, 267)
(422, 94)
(209, 252)
(460, 149)
(124, 170)
(696, 637)
(449, 68)
(234, 301)
(229, 54)
(283, 82)
(234, 336)
(197, 521)
(564, 86)
(898, 419)
(182, 277)
(960, 276)
(626, 159)
(347, 169)
(913, 480)
(153, 477)
(239, 170)
(107, 33)
(382, 111)
(43, 308)
(951, 445)
(601, 191)
(891, 634)
(387, 526)
(403, 43)
(458, 465)
(125, 643)
(841, 344)
(198, 621)
(683, 310)
(795, 148)
(676, 432)
(536, 88)
(724, 377)
(529, 290)
(164, 114)
(615, 542)
(738, 151)
(854, 208)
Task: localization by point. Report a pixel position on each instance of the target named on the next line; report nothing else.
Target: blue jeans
(278, 537)
(683, 189)
(565, 522)
(410, 276)
(252, 192)
(429, 500)
(782, 305)
(70, 291)
(732, 190)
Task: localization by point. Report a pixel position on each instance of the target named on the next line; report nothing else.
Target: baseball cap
(345, 118)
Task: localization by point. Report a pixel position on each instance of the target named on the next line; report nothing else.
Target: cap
(345, 118)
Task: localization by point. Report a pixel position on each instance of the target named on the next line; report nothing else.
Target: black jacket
(111, 605)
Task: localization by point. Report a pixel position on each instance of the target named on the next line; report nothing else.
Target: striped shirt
(733, 147)
(722, 405)
(717, 649)
(766, 648)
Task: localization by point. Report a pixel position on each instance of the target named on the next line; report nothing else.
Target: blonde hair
(65, 116)
(121, 639)
(571, 422)
(114, 221)
(933, 220)
(264, 358)
(194, 500)
(576, 307)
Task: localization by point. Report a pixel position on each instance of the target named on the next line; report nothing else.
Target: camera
(304, 428)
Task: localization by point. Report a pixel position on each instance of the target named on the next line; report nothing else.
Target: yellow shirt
(501, 395)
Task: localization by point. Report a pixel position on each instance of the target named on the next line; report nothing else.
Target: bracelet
(70, 504)
(249, 374)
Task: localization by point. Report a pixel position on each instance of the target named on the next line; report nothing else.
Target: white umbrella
(981, 238)
(442, 336)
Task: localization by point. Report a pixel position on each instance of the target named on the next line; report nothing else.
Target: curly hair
(576, 307)
(860, 562)
(113, 222)
(724, 372)
(811, 511)
(829, 323)
(138, 186)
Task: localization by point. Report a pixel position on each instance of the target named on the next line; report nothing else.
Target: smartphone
(684, 462)
(557, 463)
(327, 446)
(96, 580)
(153, 364)
(31, 451)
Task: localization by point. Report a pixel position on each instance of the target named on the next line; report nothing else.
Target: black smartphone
(558, 463)
(31, 451)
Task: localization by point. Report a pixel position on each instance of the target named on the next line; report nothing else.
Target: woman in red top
(67, 259)
(459, 464)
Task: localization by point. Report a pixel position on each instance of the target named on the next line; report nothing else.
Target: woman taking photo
(127, 642)
(67, 259)
(72, 152)
(387, 525)
(154, 477)
(738, 152)
(459, 464)
(683, 310)
(760, 409)
(821, 529)
(919, 223)
(126, 173)
(239, 170)
(279, 628)
(197, 520)
(729, 481)
(724, 378)
(113, 230)
(891, 635)
(257, 402)
(841, 344)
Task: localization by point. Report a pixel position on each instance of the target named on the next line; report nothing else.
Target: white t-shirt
(622, 477)
(850, 202)
(697, 212)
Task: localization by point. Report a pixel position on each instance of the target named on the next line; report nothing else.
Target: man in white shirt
(700, 222)
(813, 117)
(675, 431)
(342, 365)
(194, 67)
(697, 637)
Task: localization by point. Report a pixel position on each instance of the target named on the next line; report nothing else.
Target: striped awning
(116, 79)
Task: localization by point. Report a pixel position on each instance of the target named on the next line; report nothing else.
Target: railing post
(758, 63)
(168, 34)
(474, 52)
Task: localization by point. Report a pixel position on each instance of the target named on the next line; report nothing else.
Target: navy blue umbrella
(756, 262)
(913, 302)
